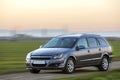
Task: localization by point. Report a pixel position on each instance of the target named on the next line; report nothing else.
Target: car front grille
(41, 57)
(38, 65)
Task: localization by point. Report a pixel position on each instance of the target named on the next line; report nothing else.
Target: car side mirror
(41, 46)
(80, 47)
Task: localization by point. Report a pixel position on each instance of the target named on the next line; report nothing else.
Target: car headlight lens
(28, 57)
(58, 56)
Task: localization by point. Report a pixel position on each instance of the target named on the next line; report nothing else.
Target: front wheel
(70, 66)
(104, 65)
(34, 71)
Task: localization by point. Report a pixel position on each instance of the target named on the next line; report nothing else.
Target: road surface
(52, 74)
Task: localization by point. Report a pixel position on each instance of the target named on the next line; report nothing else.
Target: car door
(94, 51)
(82, 54)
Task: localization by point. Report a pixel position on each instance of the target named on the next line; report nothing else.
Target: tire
(104, 65)
(34, 71)
(70, 66)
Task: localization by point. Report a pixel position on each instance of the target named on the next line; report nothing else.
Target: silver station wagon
(68, 52)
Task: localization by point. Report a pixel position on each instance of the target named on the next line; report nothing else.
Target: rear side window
(92, 42)
(102, 41)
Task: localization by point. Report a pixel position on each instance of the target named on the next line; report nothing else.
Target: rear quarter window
(102, 42)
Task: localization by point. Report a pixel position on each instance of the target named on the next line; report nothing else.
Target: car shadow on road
(75, 72)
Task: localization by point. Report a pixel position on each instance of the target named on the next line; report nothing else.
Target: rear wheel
(70, 66)
(34, 71)
(104, 65)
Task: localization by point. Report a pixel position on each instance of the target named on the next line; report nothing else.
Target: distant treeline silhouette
(45, 39)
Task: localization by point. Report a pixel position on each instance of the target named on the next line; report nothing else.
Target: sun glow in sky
(76, 15)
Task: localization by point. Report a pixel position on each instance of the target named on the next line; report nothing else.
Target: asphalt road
(52, 74)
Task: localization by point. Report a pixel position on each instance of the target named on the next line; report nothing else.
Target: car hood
(49, 51)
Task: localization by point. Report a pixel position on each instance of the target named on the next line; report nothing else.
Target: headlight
(58, 56)
(28, 57)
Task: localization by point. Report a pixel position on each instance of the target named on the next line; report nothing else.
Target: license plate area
(39, 62)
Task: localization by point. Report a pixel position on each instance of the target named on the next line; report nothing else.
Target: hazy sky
(76, 15)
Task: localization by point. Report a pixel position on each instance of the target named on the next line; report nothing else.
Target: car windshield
(61, 42)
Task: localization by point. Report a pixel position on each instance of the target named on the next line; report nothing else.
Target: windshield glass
(61, 42)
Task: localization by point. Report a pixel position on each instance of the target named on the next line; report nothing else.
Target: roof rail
(90, 34)
(78, 34)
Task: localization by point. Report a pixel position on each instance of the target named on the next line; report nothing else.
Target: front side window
(92, 42)
(82, 42)
(61, 42)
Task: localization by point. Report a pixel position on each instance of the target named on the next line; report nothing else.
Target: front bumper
(49, 64)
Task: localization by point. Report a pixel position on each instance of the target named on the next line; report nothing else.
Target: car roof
(78, 35)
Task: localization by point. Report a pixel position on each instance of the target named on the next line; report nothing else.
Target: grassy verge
(116, 50)
(110, 75)
(12, 54)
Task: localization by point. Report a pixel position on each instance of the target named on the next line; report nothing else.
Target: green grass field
(116, 47)
(12, 54)
(116, 50)
(110, 75)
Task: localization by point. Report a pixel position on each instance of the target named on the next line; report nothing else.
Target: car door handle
(99, 49)
(88, 51)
